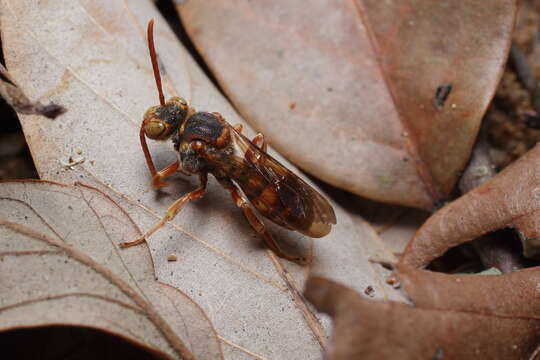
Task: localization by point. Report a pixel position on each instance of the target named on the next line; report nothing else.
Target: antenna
(155, 65)
(142, 135)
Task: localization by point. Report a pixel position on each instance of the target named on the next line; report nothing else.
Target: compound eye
(150, 112)
(179, 100)
(155, 129)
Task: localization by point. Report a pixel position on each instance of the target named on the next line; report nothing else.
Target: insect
(207, 144)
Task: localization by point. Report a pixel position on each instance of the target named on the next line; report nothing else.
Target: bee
(207, 144)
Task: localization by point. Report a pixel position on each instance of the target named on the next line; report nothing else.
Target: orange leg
(259, 142)
(157, 179)
(258, 225)
(238, 127)
(172, 211)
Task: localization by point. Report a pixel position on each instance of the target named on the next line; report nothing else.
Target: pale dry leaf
(92, 56)
(16, 98)
(61, 265)
(387, 96)
(395, 225)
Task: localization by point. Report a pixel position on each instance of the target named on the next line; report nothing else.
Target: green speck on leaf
(386, 180)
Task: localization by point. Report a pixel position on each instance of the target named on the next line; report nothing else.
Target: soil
(512, 122)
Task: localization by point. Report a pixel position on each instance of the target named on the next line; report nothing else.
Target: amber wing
(276, 192)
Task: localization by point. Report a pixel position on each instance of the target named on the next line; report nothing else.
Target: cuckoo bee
(207, 144)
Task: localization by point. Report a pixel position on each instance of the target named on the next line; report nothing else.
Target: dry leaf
(506, 296)
(61, 265)
(365, 329)
(92, 57)
(395, 225)
(14, 96)
(391, 92)
(509, 199)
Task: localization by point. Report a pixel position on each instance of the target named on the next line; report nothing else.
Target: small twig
(388, 265)
(480, 168)
(493, 251)
(496, 251)
(20, 102)
(525, 75)
(521, 66)
(73, 162)
(535, 97)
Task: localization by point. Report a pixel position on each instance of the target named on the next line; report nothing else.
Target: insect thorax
(203, 126)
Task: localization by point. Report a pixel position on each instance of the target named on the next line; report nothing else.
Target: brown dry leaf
(507, 296)
(509, 199)
(359, 79)
(92, 56)
(366, 329)
(61, 265)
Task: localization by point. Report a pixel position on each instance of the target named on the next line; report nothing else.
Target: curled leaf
(509, 199)
(366, 329)
(513, 295)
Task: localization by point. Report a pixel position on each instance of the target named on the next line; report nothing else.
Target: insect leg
(259, 142)
(238, 127)
(157, 179)
(257, 224)
(173, 210)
